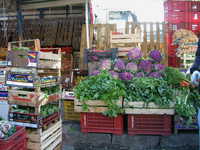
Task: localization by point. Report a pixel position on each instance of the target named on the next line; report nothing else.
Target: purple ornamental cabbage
(131, 66)
(120, 65)
(156, 55)
(126, 76)
(145, 65)
(155, 75)
(114, 74)
(139, 74)
(105, 64)
(95, 72)
(135, 53)
(159, 67)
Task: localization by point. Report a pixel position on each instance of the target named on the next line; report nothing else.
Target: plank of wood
(142, 105)
(150, 111)
(95, 103)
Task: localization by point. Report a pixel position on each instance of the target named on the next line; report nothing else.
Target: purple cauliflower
(131, 66)
(159, 67)
(135, 53)
(145, 65)
(155, 75)
(156, 55)
(119, 65)
(95, 72)
(114, 74)
(139, 74)
(105, 64)
(126, 76)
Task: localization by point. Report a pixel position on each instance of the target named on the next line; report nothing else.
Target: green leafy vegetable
(101, 87)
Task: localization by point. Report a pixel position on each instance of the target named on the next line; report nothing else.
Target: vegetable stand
(34, 92)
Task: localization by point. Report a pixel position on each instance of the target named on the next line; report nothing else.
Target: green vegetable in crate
(21, 49)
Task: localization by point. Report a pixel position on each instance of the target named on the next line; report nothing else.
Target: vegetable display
(101, 87)
(6, 129)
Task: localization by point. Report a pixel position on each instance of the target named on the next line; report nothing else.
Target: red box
(98, 123)
(150, 124)
(18, 141)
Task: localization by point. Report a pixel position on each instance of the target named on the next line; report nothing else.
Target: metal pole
(19, 20)
(87, 24)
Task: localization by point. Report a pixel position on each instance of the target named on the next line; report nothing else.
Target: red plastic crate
(18, 141)
(98, 123)
(178, 6)
(150, 124)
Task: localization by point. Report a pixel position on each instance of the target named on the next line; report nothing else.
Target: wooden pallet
(49, 139)
(151, 108)
(94, 106)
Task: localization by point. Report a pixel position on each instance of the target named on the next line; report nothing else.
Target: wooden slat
(150, 111)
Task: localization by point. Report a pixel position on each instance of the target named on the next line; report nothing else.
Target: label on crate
(68, 95)
(3, 63)
(24, 124)
(20, 79)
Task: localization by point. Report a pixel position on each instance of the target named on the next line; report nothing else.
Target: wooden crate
(34, 44)
(69, 113)
(94, 106)
(34, 59)
(45, 140)
(26, 98)
(151, 108)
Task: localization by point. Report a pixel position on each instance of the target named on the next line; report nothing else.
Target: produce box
(17, 141)
(48, 139)
(142, 108)
(149, 124)
(94, 106)
(27, 116)
(26, 98)
(98, 123)
(35, 59)
(69, 113)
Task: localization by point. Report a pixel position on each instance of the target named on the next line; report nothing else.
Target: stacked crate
(3, 89)
(180, 15)
(34, 94)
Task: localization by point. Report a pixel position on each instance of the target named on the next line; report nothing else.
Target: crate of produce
(27, 116)
(17, 141)
(69, 113)
(98, 123)
(97, 106)
(150, 108)
(34, 44)
(30, 78)
(32, 98)
(36, 59)
(48, 139)
(150, 124)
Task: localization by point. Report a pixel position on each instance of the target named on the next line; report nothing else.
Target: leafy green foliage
(149, 90)
(173, 76)
(101, 87)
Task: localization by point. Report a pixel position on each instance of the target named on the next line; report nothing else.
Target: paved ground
(73, 139)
